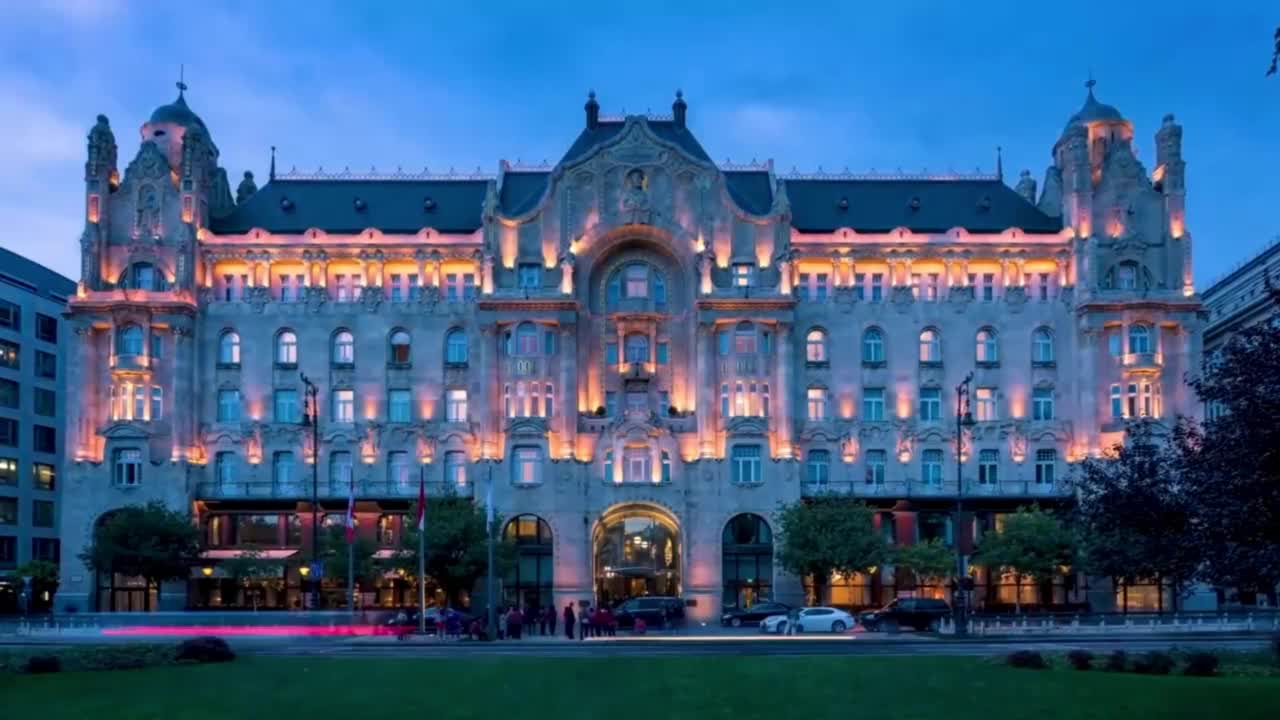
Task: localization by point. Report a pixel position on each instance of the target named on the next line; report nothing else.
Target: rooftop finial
(1090, 82)
(679, 109)
(182, 85)
(999, 163)
(272, 175)
(593, 110)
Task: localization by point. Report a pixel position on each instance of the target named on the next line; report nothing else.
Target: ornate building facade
(636, 353)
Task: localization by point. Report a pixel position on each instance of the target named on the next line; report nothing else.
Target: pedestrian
(568, 621)
(610, 622)
(502, 623)
(541, 614)
(551, 620)
(515, 623)
(585, 623)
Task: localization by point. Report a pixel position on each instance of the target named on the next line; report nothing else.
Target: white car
(813, 619)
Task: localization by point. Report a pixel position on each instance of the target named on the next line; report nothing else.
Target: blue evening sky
(907, 84)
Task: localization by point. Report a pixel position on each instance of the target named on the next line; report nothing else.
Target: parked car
(753, 614)
(918, 613)
(813, 619)
(655, 611)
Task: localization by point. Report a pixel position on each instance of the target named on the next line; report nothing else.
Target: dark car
(754, 614)
(918, 613)
(655, 611)
(408, 619)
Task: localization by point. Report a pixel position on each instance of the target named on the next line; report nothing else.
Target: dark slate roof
(34, 277)
(178, 113)
(881, 205)
(397, 206)
(522, 190)
(607, 129)
(1094, 111)
(750, 189)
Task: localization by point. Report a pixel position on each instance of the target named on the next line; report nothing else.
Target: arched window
(344, 348)
(987, 348)
(143, 276)
(286, 348)
(636, 281)
(815, 346)
(659, 290)
(526, 339)
(1042, 346)
(746, 561)
(818, 470)
(1139, 339)
(873, 346)
(637, 348)
(744, 338)
(228, 347)
(529, 581)
(129, 341)
(930, 346)
(1126, 276)
(455, 347)
(608, 466)
(400, 346)
(666, 466)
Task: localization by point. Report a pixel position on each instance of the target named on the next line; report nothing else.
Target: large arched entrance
(747, 561)
(528, 583)
(637, 553)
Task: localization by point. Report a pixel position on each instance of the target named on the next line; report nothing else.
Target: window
(455, 347)
(930, 404)
(46, 328)
(549, 343)
(636, 279)
(530, 276)
(340, 477)
(8, 511)
(637, 348)
(931, 467)
(744, 339)
(10, 394)
(46, 365)
(455, 468)
(873, 404)
(282, 468)
(818, 467)
(815, 348)
(873, 346)
(286, 348)
(746, 463)
(10, 315)
(635, 465)
(1139, 339)
(157, 346)
(8, 551)
(344, 348)
(985, 404)
(817, 404)
(724, 400)
(664, 355)
(741, 274)
(876, 460)
(988, 287)
(9, 432)
(44, 439)
(932, 287)
(611, 403)
(344, 406)
(666, 467)
(399, 347)
(343, 285)
(859, 285)
(527, 467)
(10, 355)
(930, 346)
(398, 469)
(659, 291)
(399, 406)
(47, 549)
(1046, 462)
(285, 406)
(228, 406)
(1042, 287)
(129, 341)
(1115, 339)
(548, 405)
(226, 467)
(988, 467)
(1127, 276)
(289, 291)
(611, 354)
(877, 287)
(126, 467)
(813, 286)
(9, 471)
(228, 347)
(157, 403)
(1042, 404)
(456, 405)
(1042, 346)
(987, 349)
(1117, 403)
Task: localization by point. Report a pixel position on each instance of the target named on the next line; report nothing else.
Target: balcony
(1149, 361)
(945, 489)
(301, 490)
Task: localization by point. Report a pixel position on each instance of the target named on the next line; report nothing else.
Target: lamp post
(964, 419)
(312, 418)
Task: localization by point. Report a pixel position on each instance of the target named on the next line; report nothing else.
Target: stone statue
(636, 197)
(246, 189)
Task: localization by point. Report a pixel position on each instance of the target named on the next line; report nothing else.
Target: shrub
(39, 664)
(1201, 664)
(1153, 663)
(1117, 661)
(205, 649)
(1080, 659)
(119, 657)
(1028, 659)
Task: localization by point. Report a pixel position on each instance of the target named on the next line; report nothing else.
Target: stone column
(850, 272)
(1063, 280)
(835, 267)
(182, 404)
(1022, 272)
(486, 379)
(566, 275)
(705, 388)
(420, 259)
(568, 389)
(1004, 275)
(84, 383)
(784, 276)
(783, 429)
(486, 267)
(950, 271)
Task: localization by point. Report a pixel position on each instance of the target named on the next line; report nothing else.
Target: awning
(230, 554)
(386, 554)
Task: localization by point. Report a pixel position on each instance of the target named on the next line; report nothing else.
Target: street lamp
(312, 417)
(964, 419)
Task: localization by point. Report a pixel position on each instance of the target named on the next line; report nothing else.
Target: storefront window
(636, 553)
(528, 582)
(746, 561)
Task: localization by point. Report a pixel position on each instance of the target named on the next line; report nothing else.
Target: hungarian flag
(422, 502)
(351, 512)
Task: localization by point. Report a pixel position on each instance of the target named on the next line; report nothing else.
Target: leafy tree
(251, 565)
(456, 545)
(1033, 544)
(828, 534)
(925, 560)
(148, 541)
(43, 574)
(1137, 515)
(333, 550)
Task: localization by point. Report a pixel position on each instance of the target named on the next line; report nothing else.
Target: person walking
(515, 623)
(541, 615)
(585, 622)
(551, 620)
(502, 623)
(568, 621)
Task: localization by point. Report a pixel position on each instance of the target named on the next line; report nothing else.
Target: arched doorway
(527, 584)
(746, 566)
(637, 553)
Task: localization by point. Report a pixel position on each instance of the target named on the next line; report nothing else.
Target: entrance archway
(528, 583)
(746, 563)
(637, 553)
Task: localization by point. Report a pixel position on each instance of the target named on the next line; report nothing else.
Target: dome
(1094, 111)
(177, 113)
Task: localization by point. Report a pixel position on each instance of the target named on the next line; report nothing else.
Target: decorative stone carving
(1016, 297)
(902, 298)
(371, 297)
(960, 297)
(316, 298)
(258, 297)
(1067, 295)
(246, 188)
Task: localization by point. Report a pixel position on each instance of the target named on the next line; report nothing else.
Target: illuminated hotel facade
(640, 352)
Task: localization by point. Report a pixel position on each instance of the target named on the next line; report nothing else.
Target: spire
(679, 109)
(999, 164)
(272, 175)
(1090, 83)
(182, 85)
(593, 110)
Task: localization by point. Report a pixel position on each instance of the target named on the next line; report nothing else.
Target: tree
(333, 549)
(826, 535)
(148, 541)
(44, 577)
(924, 560)
(457, 553)
(249, 565)
(1033, 544)
(1136, 514)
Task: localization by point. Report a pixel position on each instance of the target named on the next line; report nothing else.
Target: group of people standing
(592, 622)
(513, 623)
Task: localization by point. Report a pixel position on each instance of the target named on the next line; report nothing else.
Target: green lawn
(619, 688)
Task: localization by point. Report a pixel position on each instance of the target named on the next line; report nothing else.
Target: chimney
(593, 111)
(679, 109)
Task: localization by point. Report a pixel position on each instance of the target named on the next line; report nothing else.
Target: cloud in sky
(905, 85)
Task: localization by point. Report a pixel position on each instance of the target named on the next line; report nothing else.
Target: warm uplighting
(304, 570)
(93, 208)
(1115, 228)
(1188, 290)
(206, 571)
(1176, 226)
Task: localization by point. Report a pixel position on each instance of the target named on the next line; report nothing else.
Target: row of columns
(316, 271)
(1013, 273)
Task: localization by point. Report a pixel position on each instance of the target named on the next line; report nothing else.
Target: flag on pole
(351, 512)
(422, 502)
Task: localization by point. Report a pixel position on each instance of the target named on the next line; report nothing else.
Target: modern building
(637, 353)
(1239, 298)
(32, 437)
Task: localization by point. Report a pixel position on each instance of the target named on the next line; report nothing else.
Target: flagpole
(422, 550)
(351, 548)
(489, 579)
